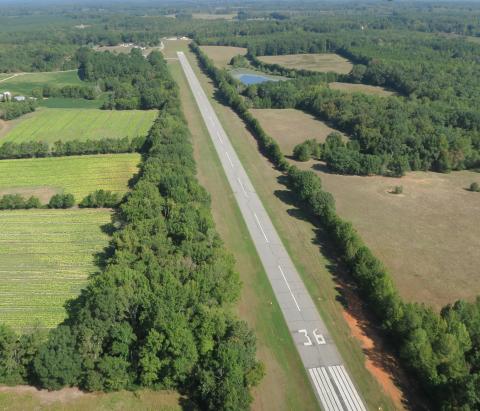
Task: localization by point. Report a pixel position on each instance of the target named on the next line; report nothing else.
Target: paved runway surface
(332, 384)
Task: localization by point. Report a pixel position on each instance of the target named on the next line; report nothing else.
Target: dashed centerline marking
(261, 228)
(289, 289)
(241, 185)
(229, 159)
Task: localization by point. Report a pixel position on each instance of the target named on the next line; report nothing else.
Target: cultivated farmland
(221, 55)
(24, 83)
(291, 127)
(51, 125)
(315, 62)
(78, 175)
(45, 259)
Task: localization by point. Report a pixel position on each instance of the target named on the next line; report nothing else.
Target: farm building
(19, 98)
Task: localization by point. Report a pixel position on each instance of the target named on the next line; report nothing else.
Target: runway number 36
(317, 336)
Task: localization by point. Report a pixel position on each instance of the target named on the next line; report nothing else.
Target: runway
(333, 387)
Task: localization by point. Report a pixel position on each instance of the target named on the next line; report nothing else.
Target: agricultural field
(213, 16)
(435, 260)
(221, 55)
(78, 175)
(53, 124)
(362, 88)
(316, 62)
(46, 257)
(291, 127)
(24, 83)
(63, 102)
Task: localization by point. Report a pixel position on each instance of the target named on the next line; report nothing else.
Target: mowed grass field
(78, 175)
(291, 127)
(24, 83)
(45, 259)
(51, 124)
(221, 55)
(362, 88)
(316, 62)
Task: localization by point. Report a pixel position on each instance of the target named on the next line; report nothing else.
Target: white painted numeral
(319, 337)
(305, 334)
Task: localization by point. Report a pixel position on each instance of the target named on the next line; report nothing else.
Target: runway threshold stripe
(328, 397)
(351, 388)
(342, 389)
(331, 389)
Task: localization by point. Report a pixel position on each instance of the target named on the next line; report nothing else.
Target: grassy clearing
(285, 386)
(212, 16)
(24, 83)
(291, 127)
(438, 252)
(23, 398)
(78, 175)
(315, 62)
(59, 102)
(221, 55)
(51, 125)
(45, 259)
(362, 88)
(301, 239)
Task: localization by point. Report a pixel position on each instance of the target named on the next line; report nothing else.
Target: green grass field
(24, 83)
(60, 102)
(78, 175)
(316, 62)
(53, 124)
(45, 258)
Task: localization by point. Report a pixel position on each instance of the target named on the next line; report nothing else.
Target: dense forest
(440, 350)
(159, 313)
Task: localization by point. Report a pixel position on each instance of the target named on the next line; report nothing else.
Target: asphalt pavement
(333, 387)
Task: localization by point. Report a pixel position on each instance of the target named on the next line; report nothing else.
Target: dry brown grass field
(427, 237)
(315, 62)
(212, 16)
(362, 88)
(221, 55)
(291, 127)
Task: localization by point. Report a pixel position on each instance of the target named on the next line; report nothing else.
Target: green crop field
(78, 175)
(51, 124)
(45, 259)
(24, 83)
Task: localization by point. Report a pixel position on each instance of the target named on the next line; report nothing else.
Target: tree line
(39, 149)
(159, 315)
(440, 350)
(15, 109)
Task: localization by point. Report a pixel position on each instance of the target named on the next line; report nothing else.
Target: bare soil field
(362, 88)
(212, 16)
(316, 62)
(221, 55)
(299, 127)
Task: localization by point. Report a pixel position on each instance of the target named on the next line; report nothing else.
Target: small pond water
(252, 79)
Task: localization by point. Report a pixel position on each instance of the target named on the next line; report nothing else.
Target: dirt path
(44, 396)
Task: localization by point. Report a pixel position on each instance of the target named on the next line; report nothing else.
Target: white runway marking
(325, 390)
(229, 159)
(288, 286)
(346, 388)
(261, 228)
(243, 188)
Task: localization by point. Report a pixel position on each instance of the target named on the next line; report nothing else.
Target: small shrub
(397, 190)
(17, 202)
(61, 201)
(100, 199)
(475, 187)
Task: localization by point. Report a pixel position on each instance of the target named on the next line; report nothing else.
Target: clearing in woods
(77, 175)
(291, 127)
(439, 204)
(46, 257)
(24, 83)
(52, 124)
(221, 55)
(316, 62)
(362, 88)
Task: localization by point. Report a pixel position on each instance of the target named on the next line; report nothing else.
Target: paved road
(332, 384)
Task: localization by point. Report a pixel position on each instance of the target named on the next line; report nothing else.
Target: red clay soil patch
(44, 396)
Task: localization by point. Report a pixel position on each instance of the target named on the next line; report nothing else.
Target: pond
(249, 79)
